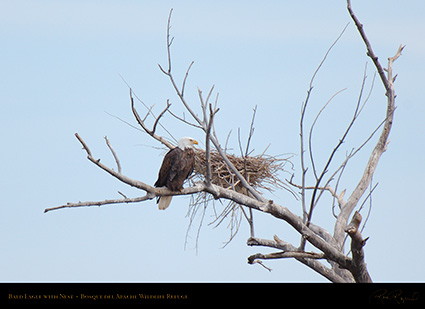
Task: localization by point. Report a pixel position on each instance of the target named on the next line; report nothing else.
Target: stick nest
(261, 172)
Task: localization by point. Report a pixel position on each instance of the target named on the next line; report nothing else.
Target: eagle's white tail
(164, 202)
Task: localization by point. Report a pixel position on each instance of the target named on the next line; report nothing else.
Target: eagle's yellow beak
(194, 142)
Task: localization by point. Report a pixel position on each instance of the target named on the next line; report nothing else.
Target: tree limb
(381, 145)
(307, 260)
(218, 192)
(358, 267)
(160, 191)
(148, 196)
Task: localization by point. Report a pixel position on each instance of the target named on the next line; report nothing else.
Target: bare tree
(239, 180)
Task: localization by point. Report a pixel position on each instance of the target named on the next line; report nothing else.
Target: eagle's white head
(187, 142)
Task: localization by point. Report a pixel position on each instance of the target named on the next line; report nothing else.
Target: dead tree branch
(381, 145)
(308, 259)
(101, 203)
(207, 143)
(370, 52)
(141, 122)
(151, 192)
(359, 269)
(117, 161)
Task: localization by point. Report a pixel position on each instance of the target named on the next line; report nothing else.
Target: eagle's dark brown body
(177, 165)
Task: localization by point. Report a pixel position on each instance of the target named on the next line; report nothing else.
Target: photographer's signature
(385, 296)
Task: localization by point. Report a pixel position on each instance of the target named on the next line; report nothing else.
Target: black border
(380, 294)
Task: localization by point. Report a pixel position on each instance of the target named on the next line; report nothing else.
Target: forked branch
(141, 122)
(381, 145)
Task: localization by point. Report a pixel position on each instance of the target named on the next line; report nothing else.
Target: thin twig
(357, 111)
(105, 202)
(207, 145)
(150, 112)
(184, 120)
(303, 110)
(117, 161)
(142, 124)
(370, 52)
(310, 147)
(185, 77)
(160, 115)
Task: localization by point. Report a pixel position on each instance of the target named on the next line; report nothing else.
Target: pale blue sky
(60, 70)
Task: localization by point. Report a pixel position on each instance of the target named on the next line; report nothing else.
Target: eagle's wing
(167, 167)
(166, 173)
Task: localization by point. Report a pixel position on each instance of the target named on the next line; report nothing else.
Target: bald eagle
(177, 166)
